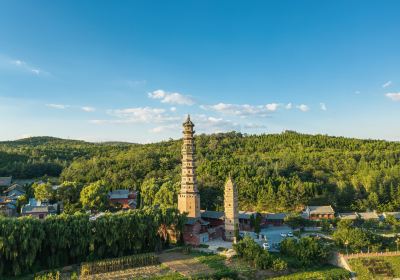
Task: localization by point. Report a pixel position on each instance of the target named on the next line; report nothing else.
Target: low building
(244, 220)
(215, 218)
(195, 231)
(216, 221)
(8, 207)
(40, 211)
(5, 182)
(14, 191)
(320, 212)
(36, 209)
(396, 215)
(125, 198)
(348, 216)
(275, 219)
(368, 216)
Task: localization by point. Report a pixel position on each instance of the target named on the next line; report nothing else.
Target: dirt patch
(130, 274)
(186, 265)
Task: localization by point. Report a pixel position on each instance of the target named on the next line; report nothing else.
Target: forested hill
(274, 172)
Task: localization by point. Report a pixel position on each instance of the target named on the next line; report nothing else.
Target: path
(187, 265)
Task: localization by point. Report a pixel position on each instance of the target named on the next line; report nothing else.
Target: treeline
(274, 172)
(38, 156)
(29, 244)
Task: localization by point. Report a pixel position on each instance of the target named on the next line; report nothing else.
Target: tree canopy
(273, 172)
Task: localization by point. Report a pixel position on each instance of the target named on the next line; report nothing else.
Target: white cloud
(253, 125)
(88, 109)
(242, 110)
(138, 115)
(395, 96)
(289, 106)
(25, 66)
(58, 106)
(209, 124)
(387, 84)
(303, 107)
(164, 128)
(171, 97)
(323, 106)
(272, 107)
(172, 109)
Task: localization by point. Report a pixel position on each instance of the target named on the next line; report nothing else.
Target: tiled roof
(5, 181)
(15, 187)
(348, 216)
(118, 194)
(212, 214)
(323, 209)
(192, 221)
(246, 214)
(368, 215)
(395, 214)
(29, 209)
(276, 216)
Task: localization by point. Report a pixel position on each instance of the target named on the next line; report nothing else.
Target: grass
(323, 273)
(376, 267)
(217, 263)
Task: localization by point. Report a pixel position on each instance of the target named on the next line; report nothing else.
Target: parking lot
(273, 234)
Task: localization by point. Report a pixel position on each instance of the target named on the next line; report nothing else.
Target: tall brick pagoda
(189, 198)
(231, 209)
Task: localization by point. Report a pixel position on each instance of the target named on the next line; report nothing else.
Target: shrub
(250, 251)
(307, 250)
(48, 276)
(279, 265)
(263, 261)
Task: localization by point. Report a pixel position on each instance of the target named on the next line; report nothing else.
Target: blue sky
(131, 70)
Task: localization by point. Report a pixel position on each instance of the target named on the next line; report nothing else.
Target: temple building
(204, 225)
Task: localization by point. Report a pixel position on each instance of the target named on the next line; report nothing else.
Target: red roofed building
(125, 198)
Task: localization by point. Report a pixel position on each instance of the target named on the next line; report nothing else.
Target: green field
(324, 273)
(376, 267)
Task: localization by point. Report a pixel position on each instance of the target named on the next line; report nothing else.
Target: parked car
(265, 246)
(283, 234)
(290, 234)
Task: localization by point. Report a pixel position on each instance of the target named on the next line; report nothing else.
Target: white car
(290, 234)
(283, 234)
(265, 246)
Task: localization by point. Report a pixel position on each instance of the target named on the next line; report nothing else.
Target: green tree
(308, 251)
(167, 195)
(95, 196)
(148, 191)
(355, 238)
(43, 191)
